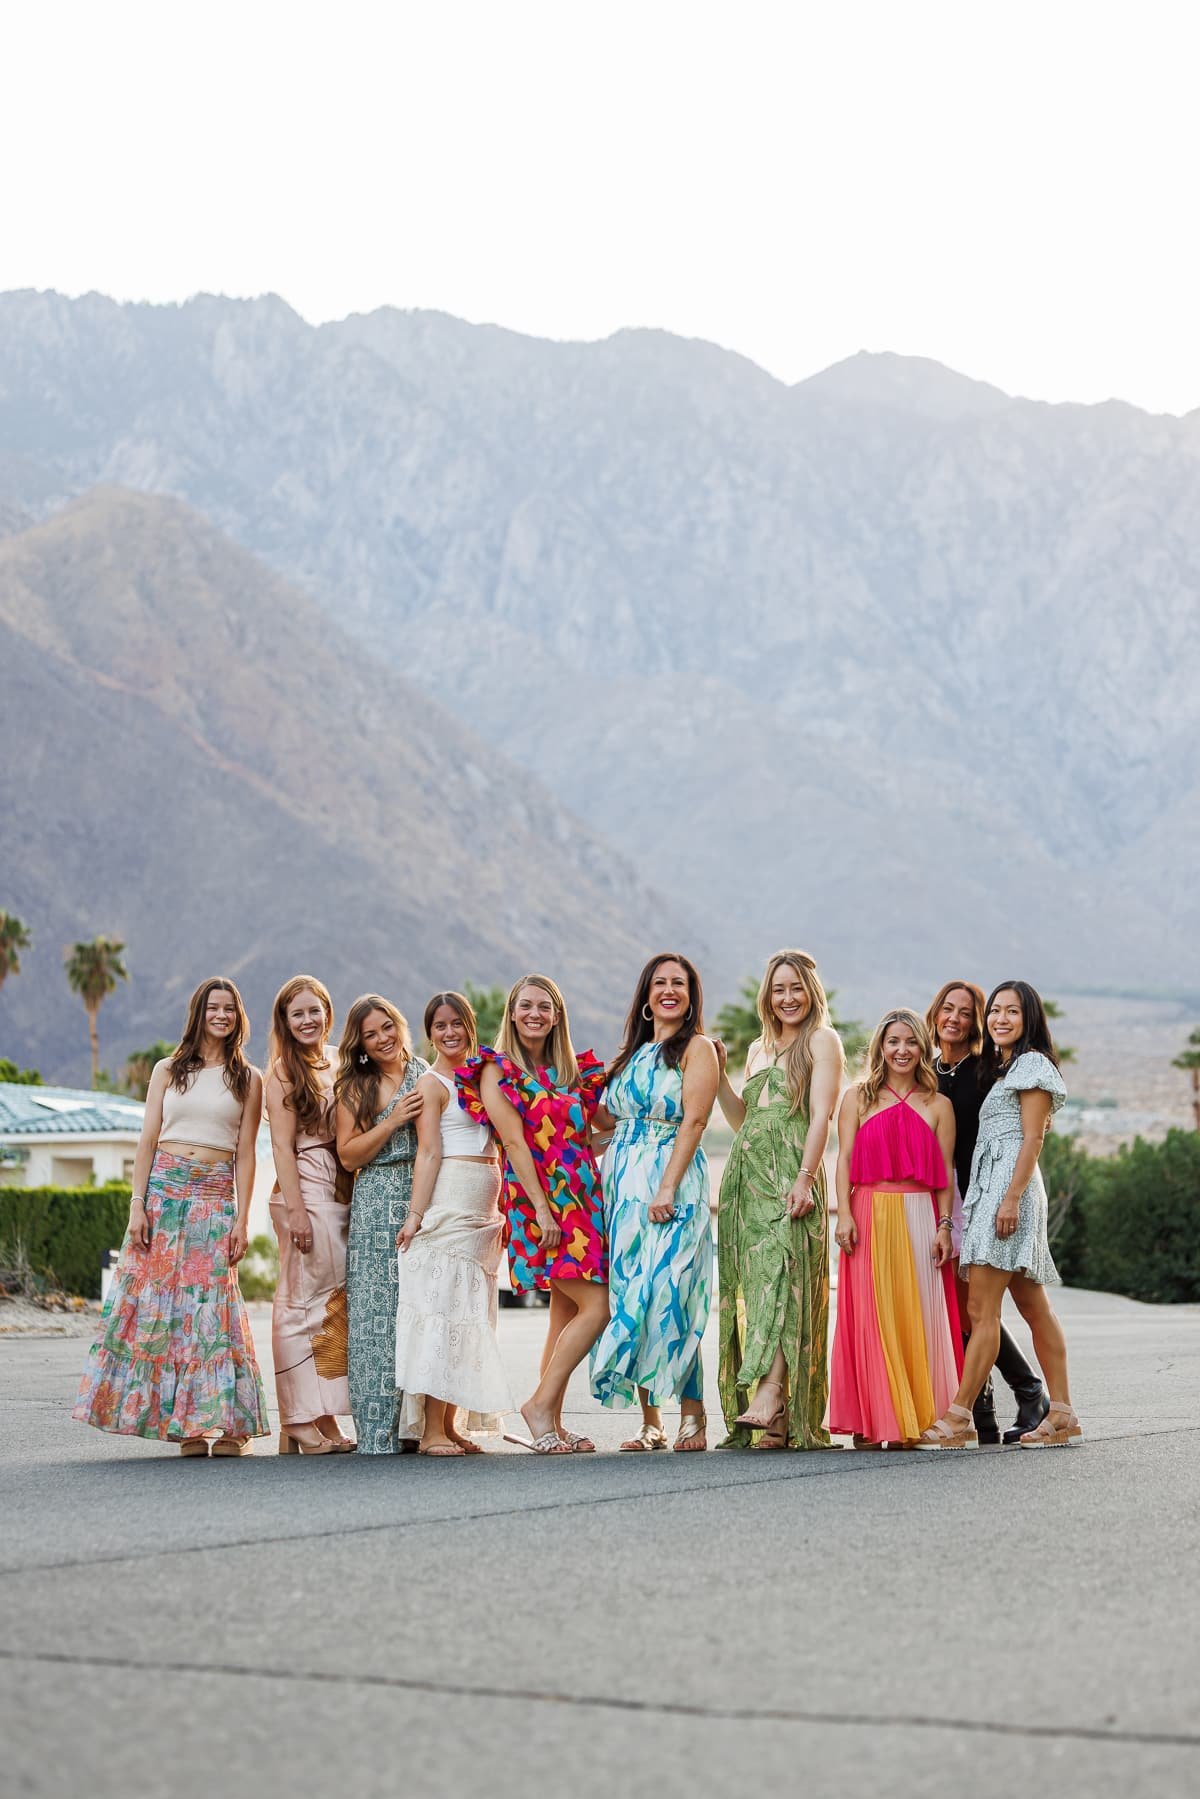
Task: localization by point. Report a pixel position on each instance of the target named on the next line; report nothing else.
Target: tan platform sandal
(1058, 1428)
(651, 1436)
(953, 1431)
(292, 1443)
(231, 1446)
(192, 1446)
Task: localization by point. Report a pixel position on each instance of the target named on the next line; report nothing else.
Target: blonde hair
(356, 1083)
(875, 1079)
(798, 1058)
(559, 1052)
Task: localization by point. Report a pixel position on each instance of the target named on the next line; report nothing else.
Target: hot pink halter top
(897, 1145)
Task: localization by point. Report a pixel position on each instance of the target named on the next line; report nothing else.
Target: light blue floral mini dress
(1027, 1251)
(660, 1275)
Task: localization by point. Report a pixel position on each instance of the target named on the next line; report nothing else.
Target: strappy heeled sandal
(651, 1436)
(1056, 1430)
(953, 1431)
(749, 1423)
(292, 1443)
(693, 1435)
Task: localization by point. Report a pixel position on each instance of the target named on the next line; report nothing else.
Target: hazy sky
(1010, 188)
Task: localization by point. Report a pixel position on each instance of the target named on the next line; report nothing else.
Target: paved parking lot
(828, 1624)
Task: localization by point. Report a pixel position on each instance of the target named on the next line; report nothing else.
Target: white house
(66, 1137)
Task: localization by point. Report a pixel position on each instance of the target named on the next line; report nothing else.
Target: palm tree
(14, 937)
(1064, 1050)
(1189, 1061)
(93, 970)
(140, 1067)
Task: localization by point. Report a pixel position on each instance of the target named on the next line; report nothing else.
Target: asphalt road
(988, 1622)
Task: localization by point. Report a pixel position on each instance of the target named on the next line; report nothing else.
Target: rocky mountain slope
(887, 662)
(198, 761)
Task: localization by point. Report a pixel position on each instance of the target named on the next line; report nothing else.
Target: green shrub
(258, 1271)
(1071, 1177)
(65, 1231)
(1143, 1221)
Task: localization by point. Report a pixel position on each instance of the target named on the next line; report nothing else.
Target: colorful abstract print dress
(897, 1348)
(557, 1121)
(660, 1278)
(174, 1357)
(774, 1269)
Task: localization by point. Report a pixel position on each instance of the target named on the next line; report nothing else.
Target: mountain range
(888, 662)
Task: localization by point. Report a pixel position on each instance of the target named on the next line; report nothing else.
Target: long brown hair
(463, 1010)
(559, 1051)
(639, 1029)
(356, 1084)
(873, 1082)
(306, 1097)
(798, 1058)
(1035, 1034)
(975, 1043)
(188, 1059)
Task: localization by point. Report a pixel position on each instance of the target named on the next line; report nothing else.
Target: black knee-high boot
(1032, 1403)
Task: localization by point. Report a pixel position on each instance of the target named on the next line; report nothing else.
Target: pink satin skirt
(306, 1285)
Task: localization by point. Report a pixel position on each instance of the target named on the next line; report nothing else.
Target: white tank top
(460, 1135)
(206, 1113)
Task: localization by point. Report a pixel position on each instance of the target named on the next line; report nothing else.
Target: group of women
(400, 1180)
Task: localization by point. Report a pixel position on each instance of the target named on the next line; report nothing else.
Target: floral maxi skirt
(174, 1357)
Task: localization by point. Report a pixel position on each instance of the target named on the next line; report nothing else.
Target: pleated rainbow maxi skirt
(897, 1347)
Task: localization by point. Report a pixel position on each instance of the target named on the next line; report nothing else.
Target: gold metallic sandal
(651, 1436)
(693, 1435)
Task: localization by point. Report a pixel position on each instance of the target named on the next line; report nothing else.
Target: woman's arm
(246, 1164)
(1035, 1115)
(356, 1148)
(429, 1155)
(732, 1104)
(944, 1130)
(701, 1074)
(829, 1065)
(847, 1231)
(507, 1124)
(282, 1121)
(143, 1160)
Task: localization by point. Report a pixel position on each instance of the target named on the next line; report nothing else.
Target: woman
(656, 1208)
(377, 1104)
(1005, 1246)
(174, 1358)
(447, 1355)
(897, 1352)
(539, 1098)
(773, 1217)
(955, 1022)
(310, 1222)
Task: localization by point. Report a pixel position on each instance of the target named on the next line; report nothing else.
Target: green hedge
(65, 1230)
(1128, 1223)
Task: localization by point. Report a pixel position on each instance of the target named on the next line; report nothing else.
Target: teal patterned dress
(660, 1275)
(378, 1208)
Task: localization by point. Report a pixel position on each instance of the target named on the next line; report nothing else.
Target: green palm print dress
(773, 1270)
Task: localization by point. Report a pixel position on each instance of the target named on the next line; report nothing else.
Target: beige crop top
(206, 1113)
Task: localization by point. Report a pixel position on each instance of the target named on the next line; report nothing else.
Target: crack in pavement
(659, 1708)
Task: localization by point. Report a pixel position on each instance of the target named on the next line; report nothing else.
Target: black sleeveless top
(961, 1087)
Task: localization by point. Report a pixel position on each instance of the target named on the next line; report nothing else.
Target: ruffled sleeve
(1033, 1069)
(592, 1077)
(468, 1077)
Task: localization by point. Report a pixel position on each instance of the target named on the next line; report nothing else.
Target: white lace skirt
(446, 1343)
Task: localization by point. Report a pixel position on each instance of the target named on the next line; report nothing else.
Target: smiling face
(901, 1049)
(955, 1021)
(381, 1038)
(790, 1000)
(670, 994)
(220, 1015)
(534, 1016)
(1006, 1020)
(307, 1020)
(449, 1035)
